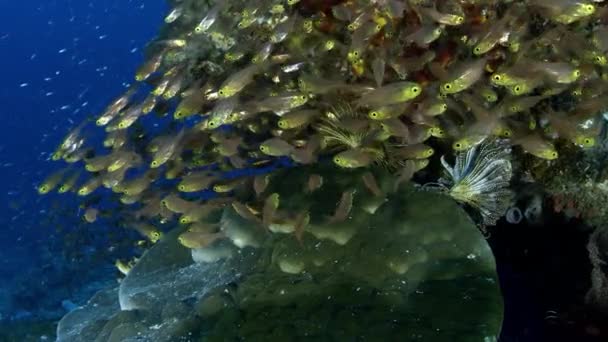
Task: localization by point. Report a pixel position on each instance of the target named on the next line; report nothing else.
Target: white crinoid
(480, 178)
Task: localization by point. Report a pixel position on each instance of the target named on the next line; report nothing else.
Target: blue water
(61, 62)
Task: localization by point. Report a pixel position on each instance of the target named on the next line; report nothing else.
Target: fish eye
(589, 8)
(496, 77)
(415, 89)
(282, 124)
(198, 29)
(183, 221)
(457, 145)
(263, 148)
(554, 154)
(181, 188)
(477, 49)
(459, 19)
(351, 27)
(373, 114)
(154, 163)
(447, 86)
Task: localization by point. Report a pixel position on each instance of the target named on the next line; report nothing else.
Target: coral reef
(399, 264)
(362, 97)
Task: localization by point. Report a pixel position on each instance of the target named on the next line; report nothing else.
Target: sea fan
(480, 178)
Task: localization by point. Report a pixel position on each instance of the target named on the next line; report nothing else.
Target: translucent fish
(355, 158)
(220, 113)
(90, 186)
(271, 204)
(166, 150)
(149, 67)
(298, 118)
(281, 104)
(412, 151)
(442, 18)
(51, 182)
(69, 183)
(189, 105)
(559, 72)
(276, 147)
(392, 93)
(177, 204)
(494, 33)
(210, 18)
(395, 128)
(463, 77)
(198, 240)
(566, 11)
(371, 184)
(282, 30)
(115, 107)
(239, 80)
(343, 208)
(173, 15)
(130, 117)
(263, 54)
(425, 35)
(404, 66)
(386, 112)
(537, 146)
(260, 183)
(314, 183)
(147, 230)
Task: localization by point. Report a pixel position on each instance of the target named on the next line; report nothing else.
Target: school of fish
(237, 85)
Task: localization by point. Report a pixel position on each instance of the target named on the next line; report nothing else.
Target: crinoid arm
(480, 178)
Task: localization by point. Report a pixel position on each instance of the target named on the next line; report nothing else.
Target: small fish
(442, 18)
(173, 15)
(276, 147)
(463, 77)
(51, 182)
(425, 35)
(238, 81)
(149, 67)
(386, 112)
(90, 186)
(166, 150)
(354, 158)
(189, 105)
(298, 118)
(245, 212)
(209, 19)
(344, 207)
(389, 94)
(176, 204)
(415, 151)
(537, 146)
(90, 215)
(194, 240)
(370, 183)
(147, 230)
(69, 183)
(314, 183)
(221, 112)
(271, 204)
(260, 183)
